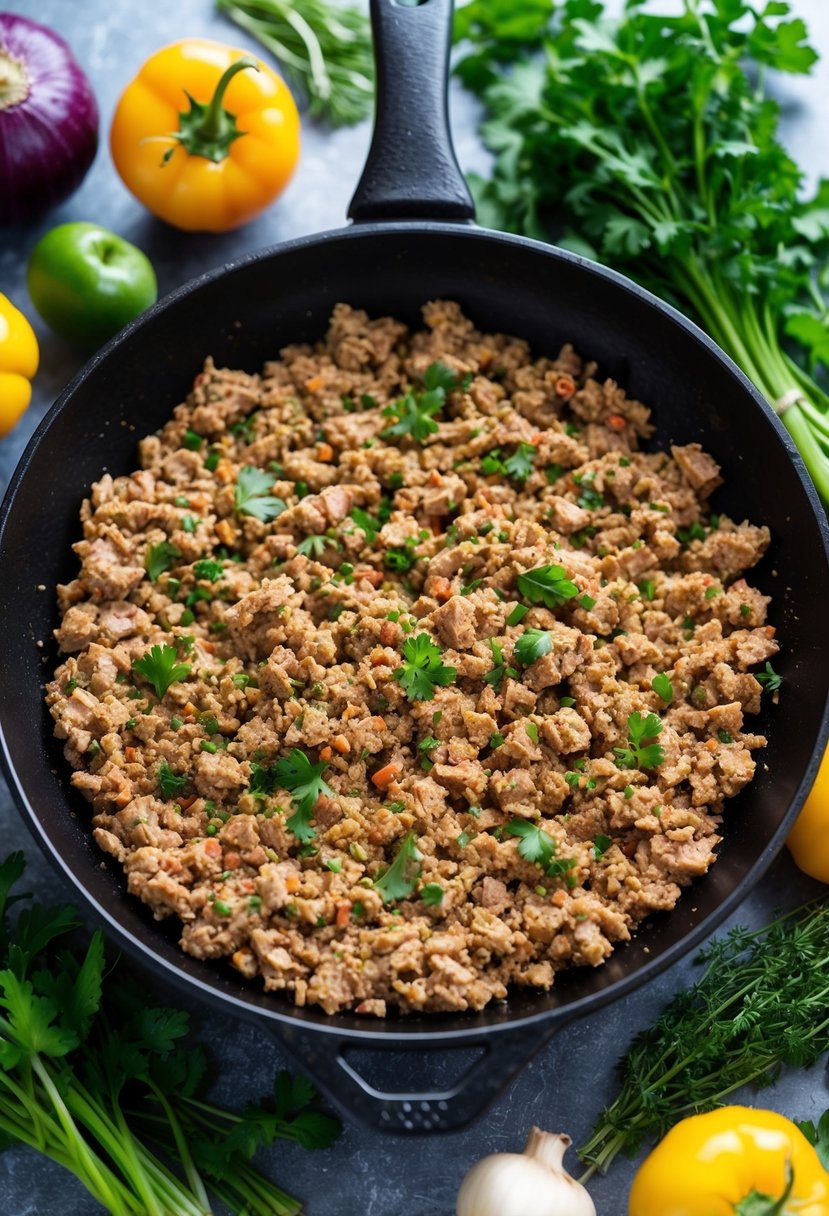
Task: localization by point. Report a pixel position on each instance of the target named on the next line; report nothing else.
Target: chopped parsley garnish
(432, 894)
(548, 585)
(161, 668)
(399, 880)
(169, 782)
(303, 781)
(641, 753)
(710, 592)
(600, 845)
(769, 679)
(589, 499)
(252, 497)
(553, 472)
(414, 410)
(647, 588)
(209, 569)
(663, 687)
(725, 736)
(192, 441)
(532, 645)
(367, 523)
(499, 668)
(518, 466)
(532, 731)
(313, 546)
(400, 558)
(587, 602)
(159, 558)
(695, 532)
(517, 615)
(535, 844)
(422, 669)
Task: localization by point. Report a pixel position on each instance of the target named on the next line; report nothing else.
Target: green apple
(87, 282)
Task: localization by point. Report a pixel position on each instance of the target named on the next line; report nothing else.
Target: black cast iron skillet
(411, 241)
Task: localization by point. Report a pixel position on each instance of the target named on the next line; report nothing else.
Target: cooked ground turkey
(521, 828)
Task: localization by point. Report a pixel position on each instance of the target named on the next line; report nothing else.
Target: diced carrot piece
(379, 723)
(226, 532)
(375, 577)
(292, 884)
(341, 744)
(199, 501)
(711, 745)
(224, 472)
(385, 775)
(564, 386)
(325, 453)
(190, 708)
(130, 754)
(440, 587)
(378, 657)
(616, 422)
(212, 848)
(326, 753)
(207, 645)
(314, 384)
(343, 913)
(232, 861)
(435, 478)
(559, 898)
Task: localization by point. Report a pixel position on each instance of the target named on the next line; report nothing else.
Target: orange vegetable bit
(326, 753)
(564, 386)
(314, 384)
(616, 422)
(325, 453)
(292, 884)
(385, 775)
(341, 744)
(343, 913)
(212, 848)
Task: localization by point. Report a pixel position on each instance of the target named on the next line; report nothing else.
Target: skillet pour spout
(412, 240)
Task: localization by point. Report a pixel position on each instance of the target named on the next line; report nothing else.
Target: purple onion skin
(48, 140)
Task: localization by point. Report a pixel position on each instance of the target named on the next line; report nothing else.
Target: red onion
(48, 120)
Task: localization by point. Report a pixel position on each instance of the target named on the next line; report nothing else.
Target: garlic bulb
(532, 1183)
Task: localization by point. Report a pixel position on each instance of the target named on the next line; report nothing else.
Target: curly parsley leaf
(161, 668)
(535, 844)
(640, 753)
(532, 645)
(159, 558)
(548, 585)
(169, 782)
(423, 669)
(400, 879)
(304, 782)
(252, 497)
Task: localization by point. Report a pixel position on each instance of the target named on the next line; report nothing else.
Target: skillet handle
(411, 171)
(418, 1111)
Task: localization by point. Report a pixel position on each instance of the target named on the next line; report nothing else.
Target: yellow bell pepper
(708, 1164)
(205, 136)
(19, 357)
(809, 838)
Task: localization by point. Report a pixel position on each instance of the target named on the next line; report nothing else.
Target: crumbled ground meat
(519, 831)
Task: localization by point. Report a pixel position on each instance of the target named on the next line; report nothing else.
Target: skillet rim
(404, 1032)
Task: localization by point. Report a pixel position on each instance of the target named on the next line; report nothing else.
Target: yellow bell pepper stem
(809, 838)
(19, 357)
(709, 1165)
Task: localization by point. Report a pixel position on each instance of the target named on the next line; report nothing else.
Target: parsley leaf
(499, 668)
(600, 845)
(313, 546)
(518, 466)
(400, 879)
(159, 558)
(535, 844)
(769, 679)
(252, 497)
(208, 569)
(533, 644)
(169, 782)
(367, 523)
(663, 687)
(548, 585)
(304, 782)
(422, 669)
(414, 410)
(432, 894)
(641, 754)
(161, 668)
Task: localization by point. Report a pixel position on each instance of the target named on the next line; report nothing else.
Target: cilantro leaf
(367, 523)
(304, 782)
(548, 585)
(251, 494)
(535, 844)
(159, 558)
(400, 879)
(169, 782)
(432, 894)
(600, 845)
(209, 569)
(313, 546)
(663, 687)
(532, 645)
(161, 668)
(769, 679)
(641, 754)
(414, 410)
(422, 669)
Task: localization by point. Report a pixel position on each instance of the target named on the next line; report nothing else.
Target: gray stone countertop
(565, 1086)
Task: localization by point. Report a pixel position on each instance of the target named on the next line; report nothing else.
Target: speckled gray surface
(567, 1083)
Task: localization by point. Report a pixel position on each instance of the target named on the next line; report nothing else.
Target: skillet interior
(244, 315)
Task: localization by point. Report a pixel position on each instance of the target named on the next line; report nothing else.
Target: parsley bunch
(761, 1002)
(655, 136)
(99, 1080)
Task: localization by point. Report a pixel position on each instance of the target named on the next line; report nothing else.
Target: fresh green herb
(400, 879)
(710, 592)
(432, 894)
(640, 753)
(517, 615)
(663, 687)
(517, 467)
(600, 846)
(648, 588)
(553, 472)
(189, 523)
(586, 602)
(566, 702)
(161, 668)
(303, 781)
(110, 1087)
(334, 864)
(496, 739)
(589, 498)
(725, 736)
(159, 558)
(206, 746)
(532, 645)
(422, 669)
(401, 558)
(548, 585)
(169, 782)
(192, 441)
(367, 523)
(499, 668)
(769, 679)
(252, 497)
(313, 546)
(534, 844)
(414, 410)
(463, 839)
(208, 569)
(323, 48)
(211, 461)
(468, 588)
(656, 135)
(759, 1005)
(532, 731)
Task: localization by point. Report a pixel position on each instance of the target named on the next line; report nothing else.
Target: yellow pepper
(709, 1164)
(205, 136)
(19, 358)
(809, 838)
